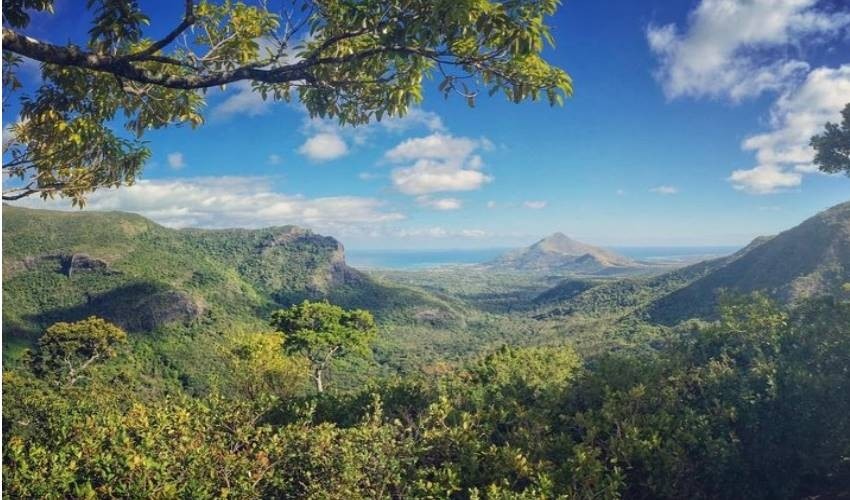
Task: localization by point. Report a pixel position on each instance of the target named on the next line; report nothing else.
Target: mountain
(146, 277)
(622, 297)
(558, 253)
(810, 259)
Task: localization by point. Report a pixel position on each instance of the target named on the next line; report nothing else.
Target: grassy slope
(810, 259)
(236, 276)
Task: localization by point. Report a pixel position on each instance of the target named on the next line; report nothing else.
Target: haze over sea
(424, 259)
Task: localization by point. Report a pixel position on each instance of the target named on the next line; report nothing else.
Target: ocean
(424, 259)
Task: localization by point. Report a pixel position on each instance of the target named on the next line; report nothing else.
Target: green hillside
(146, 278)
(808, 260)
(475, 376)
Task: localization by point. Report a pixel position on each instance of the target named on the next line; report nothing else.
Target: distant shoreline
(411, 259)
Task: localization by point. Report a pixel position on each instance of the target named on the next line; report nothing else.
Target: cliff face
(61, 265)
(64, 266)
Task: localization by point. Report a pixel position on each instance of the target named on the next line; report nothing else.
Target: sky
(689, 126)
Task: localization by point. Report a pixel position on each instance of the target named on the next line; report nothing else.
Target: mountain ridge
(812, 258)
(61, 266)
(559, 253)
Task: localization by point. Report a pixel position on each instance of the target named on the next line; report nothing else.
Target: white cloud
(440, 203)
(218, 202)
(324, 147)
(360, 135)
(491, 204)
(176, 160)
(764, 179)
(664, 189)
(427, 176)
(274, 159)
(721, 52)
(436, 147)
(783, 154)
(620, 192)
(241, 100)
(535, 205)
(416, 117)
(438, 163)
(440, 232)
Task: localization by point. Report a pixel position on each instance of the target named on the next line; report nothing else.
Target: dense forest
(753, 405)
(210, 375)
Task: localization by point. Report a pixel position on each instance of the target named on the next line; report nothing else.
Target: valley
(559, 342)
(166, 283)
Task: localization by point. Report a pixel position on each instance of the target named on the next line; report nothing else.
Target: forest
(728, 409)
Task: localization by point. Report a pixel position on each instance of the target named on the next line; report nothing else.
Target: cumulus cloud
(436, 147)
(664, 189)
(416, 118)
(176, 160)
(241, 100)
(219, 202)
(444, 204)
(764, 179)
(324, 147)
(535, 205)
(438, 163)
(721, 51)
(783, 154)
(431, 177)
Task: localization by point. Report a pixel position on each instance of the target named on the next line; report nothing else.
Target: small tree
(833, 146)
(322, 332)
(67, 350)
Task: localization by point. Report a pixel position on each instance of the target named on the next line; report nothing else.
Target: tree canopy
(833, 146)
(322, 331)
(351, 61)
(67, 350)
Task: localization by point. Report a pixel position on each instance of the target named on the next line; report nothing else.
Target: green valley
(512, 378)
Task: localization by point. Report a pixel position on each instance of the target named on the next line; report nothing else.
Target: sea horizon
(410, 258)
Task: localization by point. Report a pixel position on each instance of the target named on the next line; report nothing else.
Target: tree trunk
(318, 377)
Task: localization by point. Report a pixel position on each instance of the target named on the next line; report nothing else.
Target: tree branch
(120, 66)
(188, 20)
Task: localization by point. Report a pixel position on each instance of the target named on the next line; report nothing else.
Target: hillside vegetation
(471, 383)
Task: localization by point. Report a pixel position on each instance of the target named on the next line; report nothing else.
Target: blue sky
(687, 127)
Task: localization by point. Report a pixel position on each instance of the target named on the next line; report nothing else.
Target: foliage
(323, 332)
(734, 408)
(596, 403)
(833, 146)
(353, 61)
(67, 350)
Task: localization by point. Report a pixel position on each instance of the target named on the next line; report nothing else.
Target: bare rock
(164, 308)
(80, 262)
